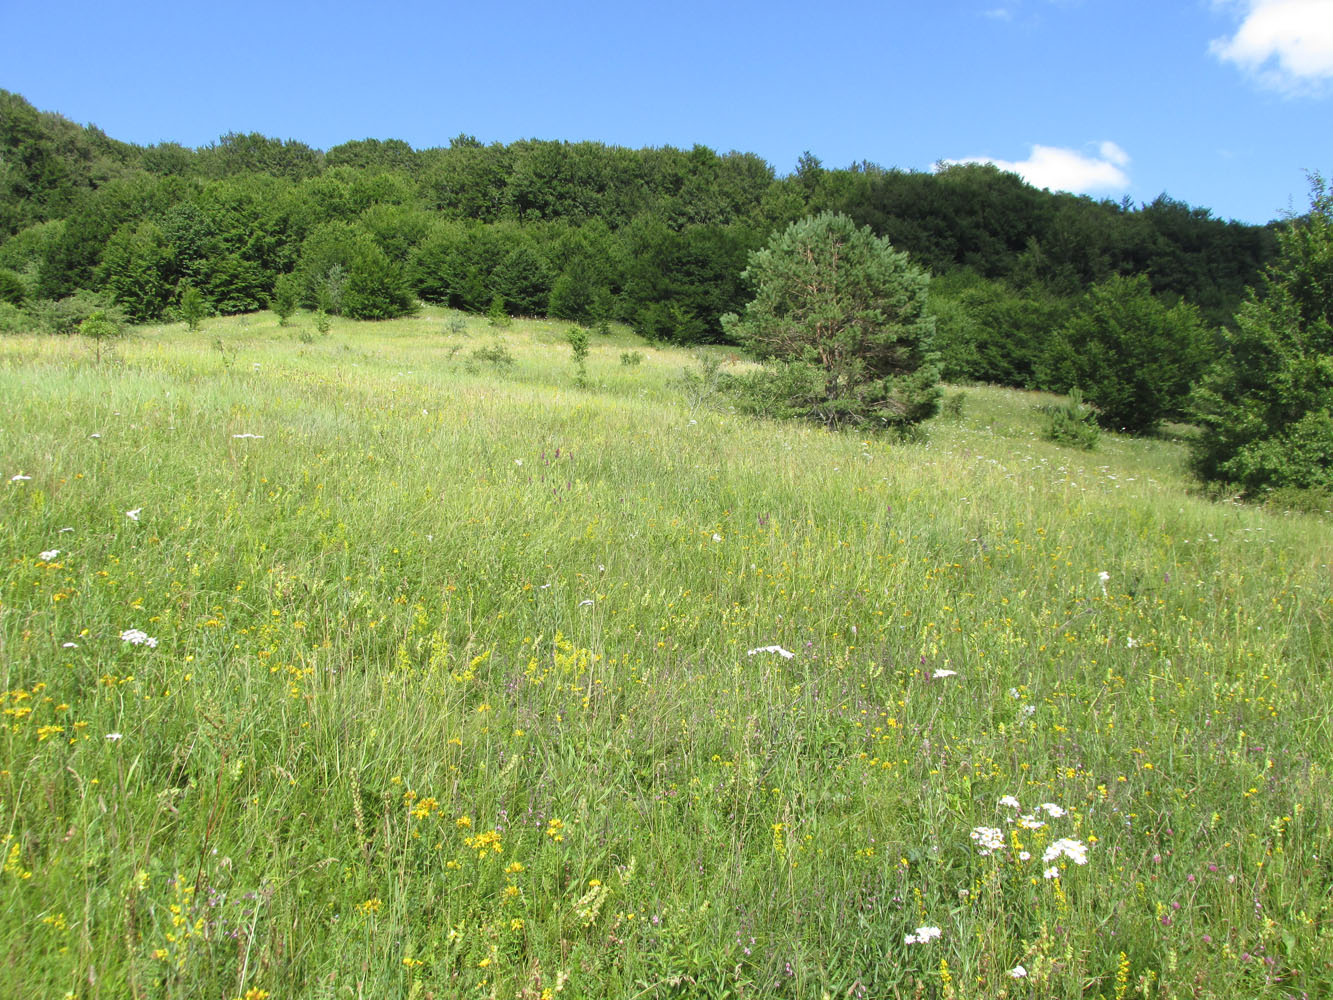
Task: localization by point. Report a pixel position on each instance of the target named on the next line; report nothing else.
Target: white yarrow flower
(138, 637)
(1052, 810)
(20, 478)
(48, 555)
(786, 654)
(922, 935)
(1011, 802)
(1017, 972)
(585, 602)
(115, 737)
(1030, 823)
(133, 515)
(943, 673)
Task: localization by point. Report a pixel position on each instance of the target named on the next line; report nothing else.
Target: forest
(656, 238)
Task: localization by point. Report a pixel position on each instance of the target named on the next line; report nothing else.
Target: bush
(63, 316)
(497, 356)
(12, 289)
(1071, 423)
(1266, 406)
(1133, 357)
(13, 319)
(631, 358)
(842, 316)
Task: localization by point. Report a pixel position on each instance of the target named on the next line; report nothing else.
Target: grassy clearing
(460, 688)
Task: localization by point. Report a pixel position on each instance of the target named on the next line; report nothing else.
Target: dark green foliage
(13, 319)
(135, 270)
(631, 358)
(1134, 358)
(1071, 423)
(523, 281)
(844, 317)
(656, 238)
(1266, 406)
(987, 331)
(236, 154)
(376, 287)
(12, 288)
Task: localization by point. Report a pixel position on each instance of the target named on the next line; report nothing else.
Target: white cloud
(1066, 169)
(1286, 45)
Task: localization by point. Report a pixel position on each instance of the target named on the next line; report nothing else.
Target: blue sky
(1220, 103)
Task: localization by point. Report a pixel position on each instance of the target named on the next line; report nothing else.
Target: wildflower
(784, 653)
(1030, 823)
(115, 737)
(518, 461)
(944, 673)
(20, 478)
(48, 555)
(1075, 850)
(923, 935)
(1051, 809)
(1130, 641)
(69, 645)
(717, 537)
(989, 839)
(584, 603)
(257, 437)
(1024, 856)
(1051, 872)
(1010, 801)
(138, 637)
(133, 515)
(1017, 972)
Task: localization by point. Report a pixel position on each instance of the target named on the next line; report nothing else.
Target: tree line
(656, 238)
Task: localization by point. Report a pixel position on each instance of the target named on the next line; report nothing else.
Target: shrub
(12, 289)
(497, 356)
(1071, 423)
(1133, 357)
(631, 358)
(62, 316)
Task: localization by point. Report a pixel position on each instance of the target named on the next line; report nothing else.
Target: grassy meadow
(392, 663)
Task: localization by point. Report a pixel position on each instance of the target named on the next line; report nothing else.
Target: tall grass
(470, 682)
